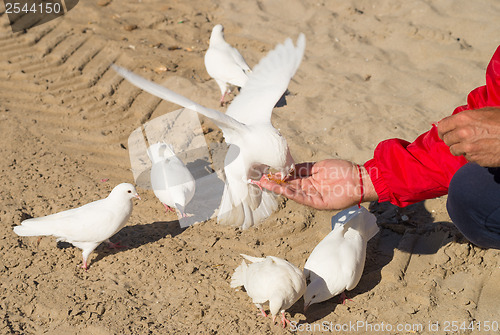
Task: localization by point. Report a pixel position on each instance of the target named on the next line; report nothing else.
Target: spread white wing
(226, 123)
(267, 82)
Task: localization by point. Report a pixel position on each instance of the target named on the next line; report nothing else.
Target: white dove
(172, 182)
(270, 279)
(336, 263)
(224, 63)
(255, 145)
(87, 226)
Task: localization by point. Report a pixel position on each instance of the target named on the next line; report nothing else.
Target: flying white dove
(172, 182)
(87, 226)
(270, 279)
(254, 144)
(336, 263)
(224, 63)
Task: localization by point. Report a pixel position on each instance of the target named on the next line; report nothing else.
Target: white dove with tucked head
(224, 63)
(87, 226)
(336, 263)
(171, 180)
(255, 145)
(270, 279)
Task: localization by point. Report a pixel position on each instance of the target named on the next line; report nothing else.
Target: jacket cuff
(378, 181)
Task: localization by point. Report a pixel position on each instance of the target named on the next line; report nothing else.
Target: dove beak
(306, 306)
(137, 196)
(286, 175)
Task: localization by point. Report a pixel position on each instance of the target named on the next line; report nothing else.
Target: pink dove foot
(343, 298)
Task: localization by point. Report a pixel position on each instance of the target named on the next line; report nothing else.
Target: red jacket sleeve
(405, 173)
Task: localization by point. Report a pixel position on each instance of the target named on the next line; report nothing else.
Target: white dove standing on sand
(255, 145)
(171, 180)
(224, 63)
(270, 279)
(87, 226)
(336, 263)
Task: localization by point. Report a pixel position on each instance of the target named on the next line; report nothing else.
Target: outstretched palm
(328, 184)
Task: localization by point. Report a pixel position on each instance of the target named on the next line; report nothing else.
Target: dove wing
(160, 185)
(238, 58)
(85, 224)
(226, 123)
(261, 279)
(267, 82)
(180, 181)
(222, 65)
(176, 172)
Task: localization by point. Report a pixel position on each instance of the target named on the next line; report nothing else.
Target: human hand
(474, 134)
(327, 184)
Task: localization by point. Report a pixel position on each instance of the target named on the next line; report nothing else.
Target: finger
(455, 121)
(451, 138)
(462, 134)
(458, 149)
(271, 185)
(445, 125)
(292, 191)
(294, 194)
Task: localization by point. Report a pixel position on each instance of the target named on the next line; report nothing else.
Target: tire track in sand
(67, 77)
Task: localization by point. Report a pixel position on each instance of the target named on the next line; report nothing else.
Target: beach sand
(371, 71)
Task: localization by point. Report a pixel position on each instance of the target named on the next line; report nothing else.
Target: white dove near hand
(336, 263)
(171, 180)
(87, 226)
(270, 279)
(224, 63)
(255, 145)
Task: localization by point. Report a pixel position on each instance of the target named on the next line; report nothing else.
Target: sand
(371, 71)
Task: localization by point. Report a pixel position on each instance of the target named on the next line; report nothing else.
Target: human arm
(400, 172)
(474, 134)
(404, 173)
(327, 184)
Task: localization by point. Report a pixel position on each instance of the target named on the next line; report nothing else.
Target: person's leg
(474, 204)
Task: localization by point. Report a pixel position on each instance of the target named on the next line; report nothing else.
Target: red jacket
(405, 173)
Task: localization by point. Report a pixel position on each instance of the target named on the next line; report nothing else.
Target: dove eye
(129, 191)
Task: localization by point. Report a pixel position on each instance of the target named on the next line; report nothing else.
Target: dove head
(316, 292)
(124, 191)
(217, 33)
(159, 151)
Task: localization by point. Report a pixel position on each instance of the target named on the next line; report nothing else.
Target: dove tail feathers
(24, 230)
(241, 212)
(230, 214)
(239, 275)
(267, 206)
(365, 223)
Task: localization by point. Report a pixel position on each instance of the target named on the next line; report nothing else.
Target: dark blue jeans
(474, 204)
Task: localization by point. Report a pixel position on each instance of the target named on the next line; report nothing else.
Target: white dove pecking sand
(270, 279)
(255, 145)
(87, 226)
(336, 263)
(171, 180)
(224, 63)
